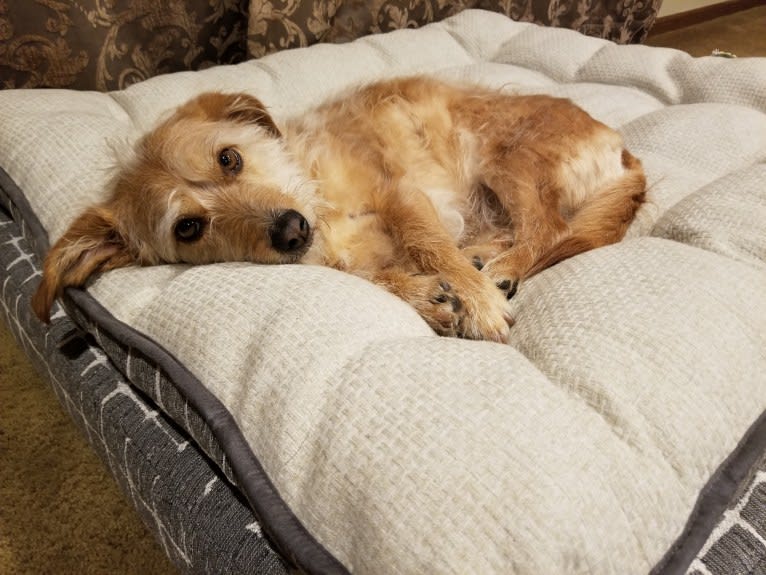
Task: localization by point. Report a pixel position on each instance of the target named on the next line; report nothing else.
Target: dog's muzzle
(290, 233)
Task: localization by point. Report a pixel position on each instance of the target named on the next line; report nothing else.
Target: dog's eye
(230, 160)
(189, 229)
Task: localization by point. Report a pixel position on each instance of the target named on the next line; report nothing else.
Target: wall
(675, 6)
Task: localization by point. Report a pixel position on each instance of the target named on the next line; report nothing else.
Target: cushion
(366, 443)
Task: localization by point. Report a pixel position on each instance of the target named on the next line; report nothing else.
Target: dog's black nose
(290, 232)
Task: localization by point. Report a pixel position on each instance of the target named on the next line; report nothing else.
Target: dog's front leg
(450, 293)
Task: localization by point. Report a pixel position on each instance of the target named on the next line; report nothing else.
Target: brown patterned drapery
(110, 44)
(278, 24)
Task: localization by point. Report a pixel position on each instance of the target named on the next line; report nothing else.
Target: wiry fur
(412, 183)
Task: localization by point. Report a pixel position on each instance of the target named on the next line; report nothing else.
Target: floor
(742, 33)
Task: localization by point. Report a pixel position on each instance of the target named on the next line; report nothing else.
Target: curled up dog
(445, 195)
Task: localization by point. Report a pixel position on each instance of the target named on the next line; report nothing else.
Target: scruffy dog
(445, 195)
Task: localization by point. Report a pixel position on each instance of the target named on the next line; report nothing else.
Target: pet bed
(268, 417)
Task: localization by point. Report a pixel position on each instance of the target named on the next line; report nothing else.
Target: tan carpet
(742, 33)
(60, 510)
(47, 470)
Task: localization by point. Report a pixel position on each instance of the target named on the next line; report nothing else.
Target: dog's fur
(445, 195)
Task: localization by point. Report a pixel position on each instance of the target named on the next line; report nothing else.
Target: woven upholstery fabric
(632, 373)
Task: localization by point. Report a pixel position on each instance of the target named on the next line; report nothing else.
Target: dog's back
(477, 154)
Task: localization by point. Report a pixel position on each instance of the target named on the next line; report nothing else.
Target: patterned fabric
(625, 22)
(111, 44)
(278, 24)
(630, 378)
(197, 516)
(738, 543)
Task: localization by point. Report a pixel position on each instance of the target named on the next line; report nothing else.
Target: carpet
(61, 510)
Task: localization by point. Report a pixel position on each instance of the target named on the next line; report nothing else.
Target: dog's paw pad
(446, 295)
(508, 287)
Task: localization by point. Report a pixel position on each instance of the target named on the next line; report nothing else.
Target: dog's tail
(603, 219)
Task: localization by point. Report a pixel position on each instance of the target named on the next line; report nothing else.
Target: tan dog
(445, 195)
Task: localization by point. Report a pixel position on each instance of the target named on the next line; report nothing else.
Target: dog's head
(214, 182)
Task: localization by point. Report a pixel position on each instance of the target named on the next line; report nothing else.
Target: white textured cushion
(581, 446)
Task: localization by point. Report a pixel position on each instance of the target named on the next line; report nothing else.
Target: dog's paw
(508, 287)
(477, 255)
(466, 305)
(436, 302)
(486, 312)
(506, 282)
(480, 254)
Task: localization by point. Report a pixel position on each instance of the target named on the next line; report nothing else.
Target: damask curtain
(279, 24)
(110, 44)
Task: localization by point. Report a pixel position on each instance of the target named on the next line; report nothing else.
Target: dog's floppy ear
(241, 107)
(92, 243)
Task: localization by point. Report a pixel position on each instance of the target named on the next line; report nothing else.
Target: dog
(446, 195)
